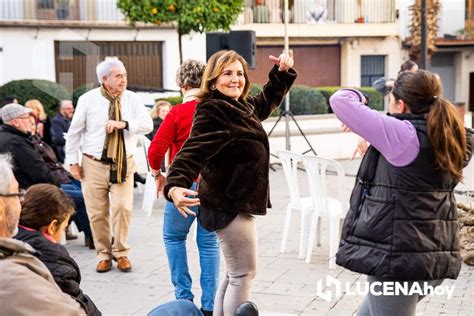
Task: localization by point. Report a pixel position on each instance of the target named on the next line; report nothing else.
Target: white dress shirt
(87, 130)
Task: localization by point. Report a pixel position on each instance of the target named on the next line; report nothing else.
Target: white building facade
(336, 42)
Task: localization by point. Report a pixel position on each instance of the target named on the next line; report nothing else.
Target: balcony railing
(255, 11)
(322, 11)
(62, 10)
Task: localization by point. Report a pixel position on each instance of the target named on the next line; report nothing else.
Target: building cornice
(80, 24)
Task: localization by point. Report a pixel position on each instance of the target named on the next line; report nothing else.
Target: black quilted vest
(402, 223)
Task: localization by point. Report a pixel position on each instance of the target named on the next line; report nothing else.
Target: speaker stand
(285, 113)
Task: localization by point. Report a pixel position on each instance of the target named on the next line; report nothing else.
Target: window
(372, 68)
(45, 4)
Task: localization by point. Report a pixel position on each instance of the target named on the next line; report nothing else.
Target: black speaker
(243, 42)
(216, 42)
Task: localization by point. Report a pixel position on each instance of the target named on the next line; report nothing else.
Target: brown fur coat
(229, 148)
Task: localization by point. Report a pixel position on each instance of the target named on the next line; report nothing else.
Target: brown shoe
(123, 264)
(104, 266)
(69, 234)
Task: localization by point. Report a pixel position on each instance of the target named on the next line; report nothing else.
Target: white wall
(464, 65)
(28, 53)
(451, 17)
(404, 17)
(353, 49)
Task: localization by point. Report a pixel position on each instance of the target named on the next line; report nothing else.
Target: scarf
(113, 151)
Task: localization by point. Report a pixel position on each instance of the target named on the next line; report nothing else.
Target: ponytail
(447, 137)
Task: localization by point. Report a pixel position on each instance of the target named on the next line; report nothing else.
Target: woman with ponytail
(402, 223)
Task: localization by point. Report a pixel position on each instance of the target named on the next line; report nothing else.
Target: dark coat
(47, 137)
(29, 166)
(59, 126)
(62, 266)
(229, 148)
(402, 223)
(60, 174)
(156, 125)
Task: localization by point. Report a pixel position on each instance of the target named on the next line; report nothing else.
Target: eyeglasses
(21, 194)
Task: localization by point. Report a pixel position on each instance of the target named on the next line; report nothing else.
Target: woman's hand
(160, 181)
(361, 149)
(283, 61)
(182, 201)
(345, 128)
(40, 129)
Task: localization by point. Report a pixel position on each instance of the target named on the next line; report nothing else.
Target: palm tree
(432, 11)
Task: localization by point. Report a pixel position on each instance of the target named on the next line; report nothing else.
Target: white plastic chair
(334, 209)
(149, 192)
(289, 161)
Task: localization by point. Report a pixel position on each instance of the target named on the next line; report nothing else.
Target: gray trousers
(238, 242)
(400, 305)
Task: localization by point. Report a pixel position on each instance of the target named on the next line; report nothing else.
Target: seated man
(26, 285)
(29, 166)
(67, 183)
(60, 126)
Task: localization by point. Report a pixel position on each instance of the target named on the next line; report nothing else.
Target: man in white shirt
(105, 128)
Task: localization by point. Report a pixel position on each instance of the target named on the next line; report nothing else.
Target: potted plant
(62, 11)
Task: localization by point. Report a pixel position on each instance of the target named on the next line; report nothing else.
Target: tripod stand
(287, 114)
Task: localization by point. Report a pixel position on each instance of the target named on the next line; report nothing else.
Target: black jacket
(156, 125)
(402, 223)
(29, 166)
(59, 126)
(62, 266)
(60, 175)
(229, 148)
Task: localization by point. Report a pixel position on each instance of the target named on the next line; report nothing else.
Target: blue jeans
(73, 190)
(175, 231)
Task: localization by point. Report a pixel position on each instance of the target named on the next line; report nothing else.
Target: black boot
(89, 242)
(247, 309)
(138, 178)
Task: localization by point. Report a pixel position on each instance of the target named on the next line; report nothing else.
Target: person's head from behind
(421, 93)
(160, 110)
(66, 108)
(189, 75)
(9, 99)
(37, 107)
(111, 73)
(17, 116)
(10, 197)
(47, 209)
(409, 65)
(226, 72)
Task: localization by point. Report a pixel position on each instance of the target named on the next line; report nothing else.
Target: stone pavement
(285, 285)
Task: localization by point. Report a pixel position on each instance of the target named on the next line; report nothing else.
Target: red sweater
(173, 132)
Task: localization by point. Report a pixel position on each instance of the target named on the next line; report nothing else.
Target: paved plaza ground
(285, 285)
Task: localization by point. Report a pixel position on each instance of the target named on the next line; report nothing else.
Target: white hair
(64, 102)
(6, 173)
(103, 69)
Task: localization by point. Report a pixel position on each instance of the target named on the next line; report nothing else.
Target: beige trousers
(238, 242)
(104, 200)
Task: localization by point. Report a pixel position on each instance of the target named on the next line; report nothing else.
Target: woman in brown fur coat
(229, 149)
